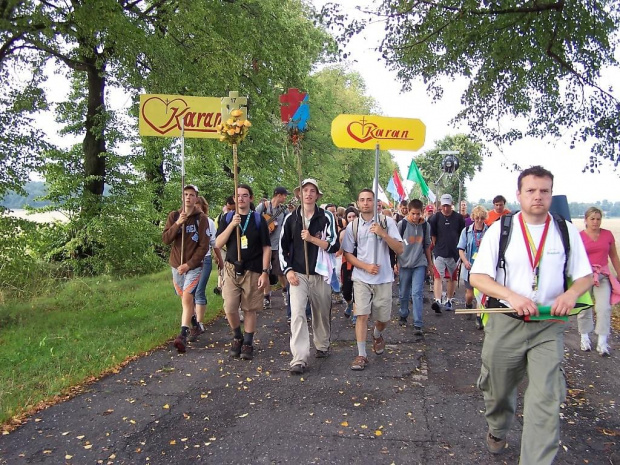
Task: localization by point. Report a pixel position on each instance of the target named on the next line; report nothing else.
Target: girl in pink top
(601, 247)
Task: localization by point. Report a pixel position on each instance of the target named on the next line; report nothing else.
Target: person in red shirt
(499, 210)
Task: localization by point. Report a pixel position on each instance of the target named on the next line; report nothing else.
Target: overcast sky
(555, 155)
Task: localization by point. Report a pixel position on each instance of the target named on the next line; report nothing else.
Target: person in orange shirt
(499, 210)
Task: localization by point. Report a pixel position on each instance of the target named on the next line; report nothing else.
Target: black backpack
(504, 238)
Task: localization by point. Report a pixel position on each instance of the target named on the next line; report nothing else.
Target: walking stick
(297, 150)
(182, 185)
(236, 182)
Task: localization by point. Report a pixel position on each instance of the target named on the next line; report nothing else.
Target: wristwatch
(266, 270)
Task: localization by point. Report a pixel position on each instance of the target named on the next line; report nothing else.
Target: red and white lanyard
(534, 253)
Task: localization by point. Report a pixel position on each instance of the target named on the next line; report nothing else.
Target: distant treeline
(577, 209)
(36, 189)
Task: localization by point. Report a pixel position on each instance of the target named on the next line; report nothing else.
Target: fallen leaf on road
(173, 442)
(378, 433)
(243, 415)
(166, 406)
(344, 423)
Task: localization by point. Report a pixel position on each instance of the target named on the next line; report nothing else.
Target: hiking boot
(402, 321)
(436, 306)
(479, 324)
(235, 347)
(585, 343)
(247, 352)
(359, 363)
(321, 354)
(194, 333)
(417, 330)
(378, 345)
(348, 310)
(180, 343)
(297, 369)
(495, 445)
(266, 303)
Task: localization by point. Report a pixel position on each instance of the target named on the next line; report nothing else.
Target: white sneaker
(585, 343)
(602, 347)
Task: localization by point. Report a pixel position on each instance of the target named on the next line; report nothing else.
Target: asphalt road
(417, 403)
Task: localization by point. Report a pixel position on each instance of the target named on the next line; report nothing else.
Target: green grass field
(86, 329)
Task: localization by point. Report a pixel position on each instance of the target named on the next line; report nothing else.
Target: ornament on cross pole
(233, 130)
(295, 113)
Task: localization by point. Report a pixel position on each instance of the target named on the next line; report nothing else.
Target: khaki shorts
(375, 299)
(241, 290)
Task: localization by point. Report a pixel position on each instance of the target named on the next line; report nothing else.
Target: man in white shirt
(372, 280)
(514, 345)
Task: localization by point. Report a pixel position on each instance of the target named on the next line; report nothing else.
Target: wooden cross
(234, 102)
(289, 103)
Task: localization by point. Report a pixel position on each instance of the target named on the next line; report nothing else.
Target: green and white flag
(415, 176)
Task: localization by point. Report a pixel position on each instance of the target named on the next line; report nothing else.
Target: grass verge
(89, 328)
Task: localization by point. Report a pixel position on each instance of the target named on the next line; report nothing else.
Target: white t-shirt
(519, 273)
(366, 250)
(211, 233)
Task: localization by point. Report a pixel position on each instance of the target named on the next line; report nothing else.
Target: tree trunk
(94, 142)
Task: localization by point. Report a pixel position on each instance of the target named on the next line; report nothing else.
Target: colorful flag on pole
(391, 189)
(415, 176)
(383, 197)
(399, 185)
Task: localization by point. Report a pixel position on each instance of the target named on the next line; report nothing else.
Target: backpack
(355, 228)
(403, 227)
(257, 218)
(504, 238)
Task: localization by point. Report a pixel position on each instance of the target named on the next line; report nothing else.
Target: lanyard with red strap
(534, 253)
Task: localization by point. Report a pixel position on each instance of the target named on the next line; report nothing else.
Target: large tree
(534, 67)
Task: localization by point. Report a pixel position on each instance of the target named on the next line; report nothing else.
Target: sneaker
(348, 310)
(448, 306)
(321, 354)
(359, 363)
(495, 445)
(235, 347)
(479, 324)
(180, 343)
(194, 332)
(297, 369)
(585, 343)
(266, 303)
(418, 331)
(402, 321)
(603, 350)
(436, 305)
(378, 345)
(247, 352)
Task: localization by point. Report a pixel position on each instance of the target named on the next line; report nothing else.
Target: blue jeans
(200, 297)
(411, 282)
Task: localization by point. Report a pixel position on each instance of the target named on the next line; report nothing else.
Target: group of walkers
(525, 261)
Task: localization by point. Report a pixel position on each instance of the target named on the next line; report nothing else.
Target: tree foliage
(533, 67)
(470, 160)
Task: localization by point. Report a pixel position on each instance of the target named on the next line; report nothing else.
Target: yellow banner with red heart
(366, 131)
(161, 115)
